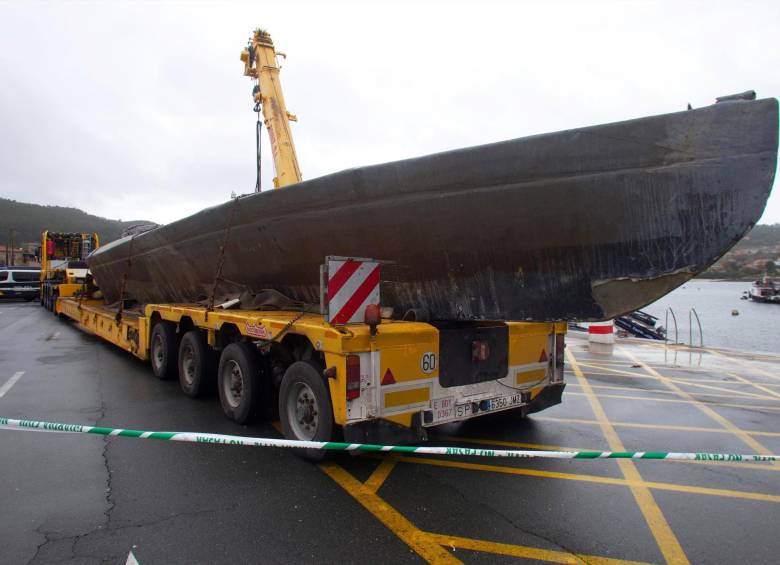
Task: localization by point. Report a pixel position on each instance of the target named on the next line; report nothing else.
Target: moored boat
(585, 224)
(766, 290)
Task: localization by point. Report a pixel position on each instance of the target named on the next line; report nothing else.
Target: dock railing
(666, 325)
(691, 314)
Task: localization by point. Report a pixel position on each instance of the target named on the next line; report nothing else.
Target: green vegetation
(762, 235)
(29, 220)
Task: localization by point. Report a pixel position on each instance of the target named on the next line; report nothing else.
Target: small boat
(641, 324)
(585, 224)
(766, 290)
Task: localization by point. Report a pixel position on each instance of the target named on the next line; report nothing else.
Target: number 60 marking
(428, 362)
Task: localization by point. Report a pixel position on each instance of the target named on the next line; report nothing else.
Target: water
(757, 328)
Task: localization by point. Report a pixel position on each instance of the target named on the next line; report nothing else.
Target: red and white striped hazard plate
(353, 284)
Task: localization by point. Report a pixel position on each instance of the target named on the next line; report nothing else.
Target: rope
(221, 258)
(258, 144)
(122, 289)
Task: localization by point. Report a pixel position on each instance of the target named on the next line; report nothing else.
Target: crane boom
(260, 63)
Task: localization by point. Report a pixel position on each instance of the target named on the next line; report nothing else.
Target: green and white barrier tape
(35, 425)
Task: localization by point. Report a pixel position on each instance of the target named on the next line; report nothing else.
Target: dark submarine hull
(585, 224)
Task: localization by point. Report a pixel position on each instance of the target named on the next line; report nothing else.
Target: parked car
(20, 282)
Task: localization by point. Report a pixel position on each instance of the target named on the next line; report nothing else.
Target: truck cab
(63, 264)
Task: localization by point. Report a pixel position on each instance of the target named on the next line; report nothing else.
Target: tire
(195, 364)
(238, 381)
(163, 350)
(60, 315)
(305, 408)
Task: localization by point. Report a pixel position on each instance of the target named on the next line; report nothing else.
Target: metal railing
(666, 325)
(691, 313)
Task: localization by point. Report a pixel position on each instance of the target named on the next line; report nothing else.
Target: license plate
(505, 402)
(445, 409)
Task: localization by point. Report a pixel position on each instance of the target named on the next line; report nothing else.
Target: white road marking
(131, 560)
(10, 382)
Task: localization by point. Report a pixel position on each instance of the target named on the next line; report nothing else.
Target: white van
(20, 282)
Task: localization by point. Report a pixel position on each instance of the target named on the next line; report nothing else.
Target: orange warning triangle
(543, 357)
(388, 379)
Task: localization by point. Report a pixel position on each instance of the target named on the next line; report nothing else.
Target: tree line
(28, 221)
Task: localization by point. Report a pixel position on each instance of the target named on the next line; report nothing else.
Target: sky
(140, 110)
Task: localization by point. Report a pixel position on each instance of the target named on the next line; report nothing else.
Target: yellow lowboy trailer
(383, 382)
(347, 370)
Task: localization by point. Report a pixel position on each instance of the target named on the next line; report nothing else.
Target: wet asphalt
(88, 499)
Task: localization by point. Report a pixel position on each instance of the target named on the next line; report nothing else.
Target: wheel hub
(305, 413)
(233, 384)
(188, 365)
(158, 351)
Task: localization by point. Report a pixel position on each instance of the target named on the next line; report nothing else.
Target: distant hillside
(758, 253)
(29, 220)
(762, 235)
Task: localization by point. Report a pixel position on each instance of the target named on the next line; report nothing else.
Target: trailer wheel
(238, 376)
(195, 364)
(305, 408)
(163, 350)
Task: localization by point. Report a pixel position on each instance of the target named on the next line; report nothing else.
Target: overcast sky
(139, 110)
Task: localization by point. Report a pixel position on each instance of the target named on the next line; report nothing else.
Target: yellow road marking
(667, 392)
(724, 422)
(668, 427)
(640, 483)
(760, 387)
(602, 363)
(689, 382)
(746, 364)
(691, 400)
(421, 542)
(693, 381)
(676, 379)
(524, 551)
(664, 536)
(380, 474)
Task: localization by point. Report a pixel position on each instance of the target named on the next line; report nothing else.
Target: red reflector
(480, 350)
(353, 377)
(389, 378)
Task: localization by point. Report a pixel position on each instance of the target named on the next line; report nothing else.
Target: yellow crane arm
(259, 59)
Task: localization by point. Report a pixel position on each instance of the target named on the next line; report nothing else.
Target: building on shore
(26, 254)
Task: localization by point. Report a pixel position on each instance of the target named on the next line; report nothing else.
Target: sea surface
(755, 328)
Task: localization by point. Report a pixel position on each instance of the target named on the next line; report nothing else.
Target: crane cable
(258, 129)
